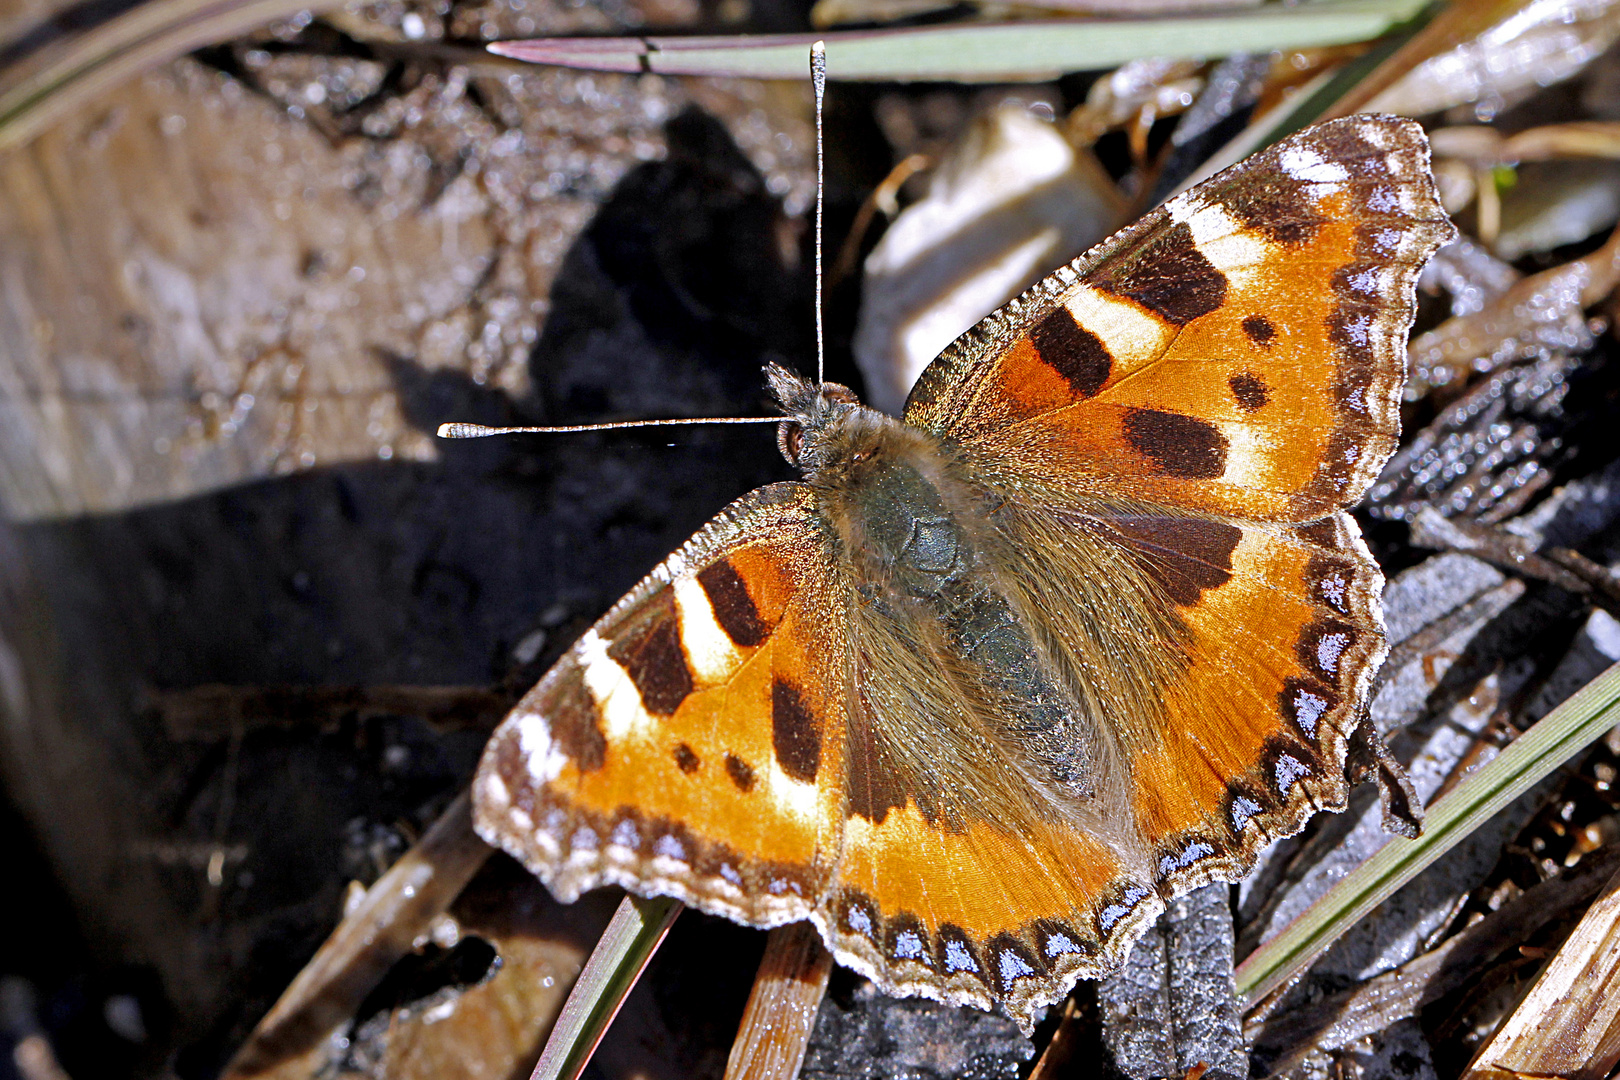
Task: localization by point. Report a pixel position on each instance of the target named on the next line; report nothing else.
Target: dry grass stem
(781, 1011)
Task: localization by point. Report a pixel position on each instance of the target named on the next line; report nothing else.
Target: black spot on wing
(741, 773)
(1073, 352)
(686, 759)
(794, 734)
(734, 609)
(1277, 206)
(649, 650)
(1259, 329)
(1167, 275)
(1249, 390)
(874, 784)
(1177, 445)
(1185, 555)
(1323, 533)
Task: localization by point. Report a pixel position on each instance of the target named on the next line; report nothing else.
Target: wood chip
(1569, 1023)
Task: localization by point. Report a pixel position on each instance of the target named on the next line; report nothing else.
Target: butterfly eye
(789, 439)
(839, 394)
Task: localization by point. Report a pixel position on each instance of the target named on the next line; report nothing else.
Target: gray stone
(1173, 1005)
(861, 1034)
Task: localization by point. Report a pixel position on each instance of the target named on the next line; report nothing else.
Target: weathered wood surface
(204, 285)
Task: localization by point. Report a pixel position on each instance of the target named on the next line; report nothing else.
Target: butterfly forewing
(1240, 350)
(683, 745)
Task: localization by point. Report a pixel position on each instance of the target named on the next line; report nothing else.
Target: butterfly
(1084, 629)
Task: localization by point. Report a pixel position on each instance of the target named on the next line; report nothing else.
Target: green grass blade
(1562, 734)
(626, 946)
(147, 35)
(1034, 49)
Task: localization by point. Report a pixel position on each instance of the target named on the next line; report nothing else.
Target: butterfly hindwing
(1284, 635)
(985, 914)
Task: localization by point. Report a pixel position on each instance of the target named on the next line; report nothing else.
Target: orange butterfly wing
(683, 745)
(1239, 350)
(697, 742)
(1197, 399)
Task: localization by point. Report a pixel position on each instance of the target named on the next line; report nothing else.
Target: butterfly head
(827, 430)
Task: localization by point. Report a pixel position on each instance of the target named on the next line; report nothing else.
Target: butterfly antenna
(818, 78)
(479, 431)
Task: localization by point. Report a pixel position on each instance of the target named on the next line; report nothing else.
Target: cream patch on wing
(492, 790)
(617, 699)
(1303, 163)
(1234, 250)
(1250, 455)
(797, 797)
(1125, 329)
(542, 756)
(710, 654)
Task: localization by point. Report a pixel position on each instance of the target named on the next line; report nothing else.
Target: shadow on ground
(684, 285)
